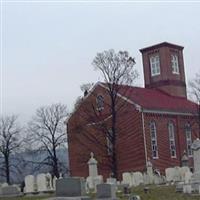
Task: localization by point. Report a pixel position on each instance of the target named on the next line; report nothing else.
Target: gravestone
(70, 187)
(148, 177)
(179, 187)
(4, 184)
(187, 189)
(92, 182)
(169, 173)
(183, 171)
(111, 181)
(137, 178)
(188, 176)
(44, 183)
(92, 163)
(177, 174)
(195, 180)
(10, 191)
(106, 191)
(30, 184)
(127, 179)
(184, 160)
(93, 179)
(41, 182)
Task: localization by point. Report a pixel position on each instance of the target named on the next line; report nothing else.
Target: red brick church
(158, 122)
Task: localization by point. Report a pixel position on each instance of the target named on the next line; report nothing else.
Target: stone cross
(92, 163)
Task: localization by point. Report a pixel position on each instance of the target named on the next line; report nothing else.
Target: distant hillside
(28, 162)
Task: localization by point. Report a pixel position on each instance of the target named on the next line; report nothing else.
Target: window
(154, 145)
(188, 135)
(100, 102)
(174, 62)
(155, 65)
(109, 143)
(172, 143)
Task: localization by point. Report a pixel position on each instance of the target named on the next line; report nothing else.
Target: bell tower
(163, 67)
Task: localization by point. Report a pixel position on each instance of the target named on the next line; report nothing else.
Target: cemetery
(178, 183)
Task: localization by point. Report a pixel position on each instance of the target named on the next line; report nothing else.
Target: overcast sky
(48, 47)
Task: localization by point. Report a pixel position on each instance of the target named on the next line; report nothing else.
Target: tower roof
(163, 44)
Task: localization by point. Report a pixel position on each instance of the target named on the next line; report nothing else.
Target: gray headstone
(179, 188)
(106, 191)
(70, 187)
(10, 191)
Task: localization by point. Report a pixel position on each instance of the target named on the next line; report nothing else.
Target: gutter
(144, 137)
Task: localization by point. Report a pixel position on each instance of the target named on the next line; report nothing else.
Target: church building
(157, 122)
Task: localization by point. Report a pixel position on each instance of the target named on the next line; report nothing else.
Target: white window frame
(100, 102)
(154, 143)
(155, 65)
(188, 136)
(175, 64)
(172, 143)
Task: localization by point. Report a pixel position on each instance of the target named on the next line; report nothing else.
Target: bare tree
(48, 134)
(10, 143)
(195, 91)
(117, 69)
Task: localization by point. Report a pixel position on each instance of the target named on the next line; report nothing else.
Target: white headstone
(137, 178)
(177, 174)
(30, 184)
(147, 179)
(187, 189)
(97, 180)
(183, 171)
(4, 185)
(111, 181)
(44, 182)
(92, 163)
(188, 176)
(169, 173)
(127, 178)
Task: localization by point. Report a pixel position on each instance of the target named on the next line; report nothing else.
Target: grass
(154, 193)
(162, 193)
(25, 198)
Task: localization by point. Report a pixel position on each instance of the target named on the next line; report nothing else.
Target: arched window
(172, 143)
(188, 136)
(154, 145)
(109, 142)
(100, 102)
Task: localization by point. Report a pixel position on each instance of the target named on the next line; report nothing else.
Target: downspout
(144, 137)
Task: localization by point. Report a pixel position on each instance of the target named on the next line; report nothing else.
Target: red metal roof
(154, 99)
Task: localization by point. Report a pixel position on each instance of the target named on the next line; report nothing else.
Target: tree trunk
(55, 164)
(114, 155)
(7, 168)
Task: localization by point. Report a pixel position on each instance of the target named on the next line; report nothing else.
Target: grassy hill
(155, 193)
